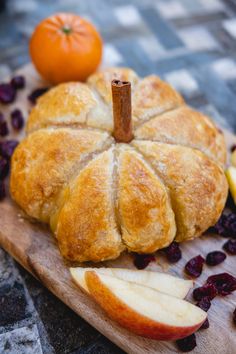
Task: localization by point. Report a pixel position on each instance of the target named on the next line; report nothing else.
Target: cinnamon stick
(121, 97)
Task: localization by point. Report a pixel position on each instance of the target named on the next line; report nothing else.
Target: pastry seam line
(155, 171)
(79, 167)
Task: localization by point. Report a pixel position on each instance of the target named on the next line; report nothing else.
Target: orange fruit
(65, 47)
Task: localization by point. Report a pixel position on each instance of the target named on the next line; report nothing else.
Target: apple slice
(233, 158)
(143, 310)
(162, 282)
(231, 177)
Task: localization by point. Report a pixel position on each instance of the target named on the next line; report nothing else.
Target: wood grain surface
(34, 247)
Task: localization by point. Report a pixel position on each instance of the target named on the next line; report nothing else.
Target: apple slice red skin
(130, 319)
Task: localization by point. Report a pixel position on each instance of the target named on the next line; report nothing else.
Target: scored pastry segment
(100, 116)
(86, 228)
(146, 217)
(44, 162)
(65, 192)
(100, 85)
(168, 128)
(151, 97)
(101, 81)
(66, 104)
(198, 187)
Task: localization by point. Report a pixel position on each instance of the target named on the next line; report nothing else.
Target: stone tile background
(191, 44)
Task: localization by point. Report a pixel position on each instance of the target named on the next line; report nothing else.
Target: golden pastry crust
(100, 85)
(45, 161)
(146, 217)
(198, 187)
(86, 229)
(65, 104)
(176, 127)
(153, 96)
(99, 198)
(101, 81)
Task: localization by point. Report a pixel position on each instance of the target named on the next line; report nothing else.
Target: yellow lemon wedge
(231, 177)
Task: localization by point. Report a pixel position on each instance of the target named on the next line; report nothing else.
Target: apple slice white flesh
(143, 310)
(162, 282)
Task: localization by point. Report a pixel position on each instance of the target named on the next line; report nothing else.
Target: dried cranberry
(141, 261)
(224, 283)
(234, 317)
(219, 227)
(226, 226)
(36, 94)
(4, 167)
(187, 344)
(207, 290)
(4, 128)
(215, 258)
(17, 119)
(230, 225)
(7, 93)
(204, 303)
(18, 82)
(7, 147)
(233, 147)
(173, 252)
(2, 190)
(194, 266)
(230, 247)
(205, 324)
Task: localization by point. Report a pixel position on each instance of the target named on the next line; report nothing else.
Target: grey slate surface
(189, 43)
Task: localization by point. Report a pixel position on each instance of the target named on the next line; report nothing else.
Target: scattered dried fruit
(194, 266)
(187, 344)
(204, 303)
(7, 93)
(214, 258)
(141, 261)
(2, 190)
(4, 167)
(173, 252)
(225, 226)
(4, 128)
(1, 117)
(36, 94)
(230, 247)
(230, 225)
(17, 119)
(205, 324)
(233, 147)
(219, 227)
(7, 147)
(234, 316)
(18, 82)
(224, 283)
(207, 290)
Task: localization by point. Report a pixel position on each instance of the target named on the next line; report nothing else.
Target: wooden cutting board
(34, 247)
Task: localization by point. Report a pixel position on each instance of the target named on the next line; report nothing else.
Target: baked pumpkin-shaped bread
(101, 196)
